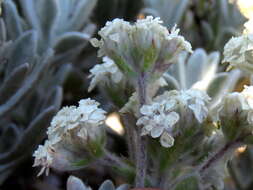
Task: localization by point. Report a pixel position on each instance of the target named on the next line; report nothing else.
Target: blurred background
(59, 57)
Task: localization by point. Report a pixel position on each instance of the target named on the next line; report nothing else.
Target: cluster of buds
(145, 46)
(236, 113)
(71, 131)
(238, 52)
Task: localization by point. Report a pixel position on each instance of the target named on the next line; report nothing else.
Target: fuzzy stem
(212, 160)
(220, 154)
(112, 160)
(141, 154)
(129, 121)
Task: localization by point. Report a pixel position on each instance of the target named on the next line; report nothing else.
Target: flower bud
(238, 52)
(235, 113)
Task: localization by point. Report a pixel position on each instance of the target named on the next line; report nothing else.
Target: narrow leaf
(31, 136)
(12, 20)
(23, 50)
(13, 82)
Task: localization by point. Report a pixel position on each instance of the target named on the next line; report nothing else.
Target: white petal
(144, 131)
(166, 140)
(146, 110)
(172, 118)
(156, 132)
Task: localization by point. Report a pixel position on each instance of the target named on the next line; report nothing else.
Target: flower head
(194, 100)
(143, 46)
(70, 131)
(106, 72)
(239, 52)
(236, 113)
(159, 119)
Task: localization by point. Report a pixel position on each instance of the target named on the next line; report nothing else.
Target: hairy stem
(141, 154)
(129, 123)
(220, 154)
(211, 161)
(112, 160)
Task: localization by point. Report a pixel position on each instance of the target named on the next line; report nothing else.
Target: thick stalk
(141, 150)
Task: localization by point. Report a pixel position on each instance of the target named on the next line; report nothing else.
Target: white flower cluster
(106, 72)
(160, 117)
(240, 104)
(72, 128)
(193, 99)
(139, 45)
(239, 52)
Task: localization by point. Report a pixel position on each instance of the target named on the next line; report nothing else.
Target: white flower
(239, 52)
(106, 72)
(144, 45)
(195, 100)
(43, 157)
(86, 116)
(70, 131)
(158, 119)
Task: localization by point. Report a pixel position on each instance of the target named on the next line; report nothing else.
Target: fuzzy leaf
(31, 136)
(29, 11)
(69, 41)
(178, 12)
(123, 187)
(81, 12)
(12, 20)
(13, 82)
(47, 11)
(223, 4)
(195, 65)
(23, 50)
(63, 73)
(207, 29)
(211, 65)
(107, 185)
(75, 183)
(30, 82)
(216, 85)
(55, 97)
(172, 82)
(9, 133)
(3, 33)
